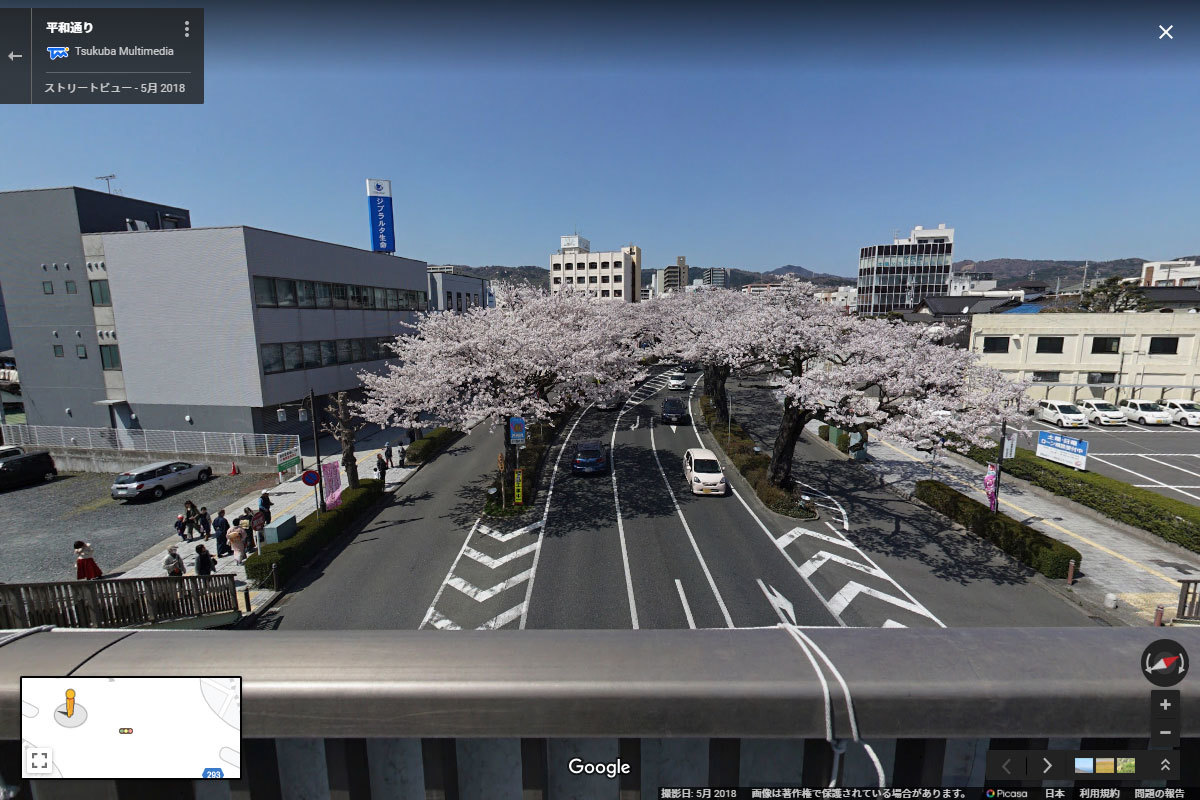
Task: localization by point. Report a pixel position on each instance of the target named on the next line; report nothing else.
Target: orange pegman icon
(70, 702)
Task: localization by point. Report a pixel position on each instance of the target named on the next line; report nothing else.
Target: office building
(716, 276)
(613, 274)
(674, 277)
(897, 276)
(761, 288)
(1170, 273)
(845, 297)
(124, 317)
(450, 289)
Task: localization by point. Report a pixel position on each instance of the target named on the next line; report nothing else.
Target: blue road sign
(516, 430)
(310, 477)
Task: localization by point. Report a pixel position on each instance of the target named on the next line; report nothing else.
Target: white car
(1145, 412)
(703, 472)
(677, 382)
(1099, 412)
(1061, 413)
(1185, 412)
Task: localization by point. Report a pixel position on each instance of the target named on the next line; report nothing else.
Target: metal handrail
(904, 683)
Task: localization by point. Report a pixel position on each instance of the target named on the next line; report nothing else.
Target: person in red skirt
(85, 565)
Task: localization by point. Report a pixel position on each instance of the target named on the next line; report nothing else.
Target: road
(633, 548)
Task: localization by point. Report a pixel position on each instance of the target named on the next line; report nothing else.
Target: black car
(27, 468)
(674, 411)
(590, 457)
(688, 366)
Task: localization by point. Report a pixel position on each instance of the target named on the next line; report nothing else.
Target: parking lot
(1163, 458)
(40, 522)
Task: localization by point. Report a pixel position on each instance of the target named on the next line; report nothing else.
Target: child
(179, 527)
(85, 565)
(205, 523)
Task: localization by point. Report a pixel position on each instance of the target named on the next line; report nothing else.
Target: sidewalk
(291, 497)
(1140, 569)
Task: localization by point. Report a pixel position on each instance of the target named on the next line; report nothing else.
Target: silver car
(155, 480)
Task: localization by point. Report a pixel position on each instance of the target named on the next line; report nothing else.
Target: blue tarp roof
(1025, 308)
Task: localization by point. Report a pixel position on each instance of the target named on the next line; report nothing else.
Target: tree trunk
(350, 464)
(714, 387)
(790, 426)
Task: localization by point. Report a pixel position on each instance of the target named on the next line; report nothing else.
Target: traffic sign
(1010, 446)
(258, 521)
(516, 430)
(310, 477)
(518, 486)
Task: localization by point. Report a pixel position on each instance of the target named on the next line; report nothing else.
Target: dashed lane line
(687, 610)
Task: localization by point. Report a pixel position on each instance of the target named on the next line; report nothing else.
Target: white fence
(229, 444)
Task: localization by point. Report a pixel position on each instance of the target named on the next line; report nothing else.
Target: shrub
(1033, 548)
(843, 442)
(1173, 520)
(432, 443)
(823, 432)
(312, 534)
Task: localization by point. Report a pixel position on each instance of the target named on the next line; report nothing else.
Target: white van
(1101, 412)
(1061, 413)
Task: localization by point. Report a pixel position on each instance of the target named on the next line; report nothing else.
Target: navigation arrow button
(1048, 763)
(12, 55)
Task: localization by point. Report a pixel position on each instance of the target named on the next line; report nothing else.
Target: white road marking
(636, 420)
(853, 589)
(687, 610)
(482, 595)
(687, 529)
(493, 563)
(836, 504)
(500, 620)
(1159, 486)
(537, 554)
(822, 557)
(443, 623)
(1165, 464)
(433, 606)
(1146, 478)
(784, 608)
(1160, 455)
(789, 537)
(891, 623)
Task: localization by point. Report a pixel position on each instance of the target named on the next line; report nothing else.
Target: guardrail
(209, 443)
(1189, 601)
(116, 603)
(479, 715)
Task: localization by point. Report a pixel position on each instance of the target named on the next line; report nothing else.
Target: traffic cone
(235, 470)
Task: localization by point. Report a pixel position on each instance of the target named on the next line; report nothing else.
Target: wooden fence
(119, 603)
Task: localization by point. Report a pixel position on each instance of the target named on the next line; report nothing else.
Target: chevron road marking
(796, 533)
(891, 623)
(443, 623)
(493, 563)
(483, 595)
(821, 558)
(507, 537)
(853, 589)
(500, 620)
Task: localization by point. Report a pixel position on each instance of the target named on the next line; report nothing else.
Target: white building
(716, 276)
(615, 274)
(761, 288)
(843, 296)
(1170, 273)
(450, 289)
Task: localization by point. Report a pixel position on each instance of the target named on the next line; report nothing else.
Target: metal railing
(119, 603)
(479, 715)
(1189, 601)
(209, 443)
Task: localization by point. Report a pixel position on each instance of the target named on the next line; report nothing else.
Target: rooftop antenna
(108, 179)
(895, 233)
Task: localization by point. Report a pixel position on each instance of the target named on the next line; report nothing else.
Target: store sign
(518, 486)
(379, 210)
(1062, 449)
(286, 459)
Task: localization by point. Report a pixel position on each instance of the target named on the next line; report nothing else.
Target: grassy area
(1031, 547)
(1173, 520)
(539, 438)
(312, 535)
(739, 449)
(432, 443)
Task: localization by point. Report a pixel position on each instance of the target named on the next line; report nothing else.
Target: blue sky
(751, 141)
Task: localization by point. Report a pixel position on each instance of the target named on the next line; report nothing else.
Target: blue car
(590, 457)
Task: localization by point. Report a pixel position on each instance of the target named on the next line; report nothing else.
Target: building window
(1102, 377)
(1045, 377)
(604, 292)
(393, 300)
(570, 266)
(356, 296)
(285, 293)
(324, 295)
(272, 358)
(368, 297)
(450, 300)
(81, 350)
(995, 344)
(328, 353)
(47, 287)
(71, 288)
(381, 299)
(1106, 344)
(604, 264)
(458, 297)
(476, 299)
(306, 294)
(570, 279)
(604, 279)
(356, 350)
(264, 292)
(1049, 344)
(343, 351)
(557, 279)
(341, 294)
(293, 356)
(58, 351)
(593, 265)
(592, 278)
(100, 295)
(1164, 345)
(110, 356)
(312, 354)
(617, 293)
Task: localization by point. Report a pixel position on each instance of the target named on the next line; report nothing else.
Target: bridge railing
(117, 603)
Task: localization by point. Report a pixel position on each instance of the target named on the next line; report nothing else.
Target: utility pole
(1000, 459)
(1083, 286)
(312, 405)
(108, 179)
(1058, 292)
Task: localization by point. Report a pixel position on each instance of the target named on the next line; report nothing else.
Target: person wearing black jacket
(221, 528)
(205, 564)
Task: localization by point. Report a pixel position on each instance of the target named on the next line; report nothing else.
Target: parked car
(1145, 412)
(8, 452)
(1185, 412)
(155, 480)
(1100, 412)
(703, 472)
(1061, 413)
(590, 457)
(24, 468)
(677, 382)
(674, 411)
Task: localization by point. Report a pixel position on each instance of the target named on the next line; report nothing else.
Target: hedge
(823, 432)
(312, 534)
(1173, 520)
(739, 447)
(843, 442)
(1033, 548)
(432, 443)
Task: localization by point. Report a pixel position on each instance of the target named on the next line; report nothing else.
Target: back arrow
(12, 55)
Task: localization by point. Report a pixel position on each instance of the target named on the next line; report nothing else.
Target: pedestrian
(205, 564)
(221, 527)
(205, 523)
(264, 505)
(237, 541)
(380, 466)
(387, 454)
(179, 527)
(191, 518)
(85, 565)
(173, 562)
(403, 454)
(247, 526)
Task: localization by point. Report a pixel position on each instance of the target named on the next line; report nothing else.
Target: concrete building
(613, 274)
(1080, 356)
(1170, 273)
(675, 277)
(843, 296)
(761, 288)
(452, 290)
(170, 327)
(896, 276)
(716, 276)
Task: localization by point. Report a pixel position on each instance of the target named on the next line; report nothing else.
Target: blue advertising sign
(379, 210)
(516, 430)
(1062, 449)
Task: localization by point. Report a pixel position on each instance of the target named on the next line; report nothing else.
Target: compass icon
(1164, 663)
